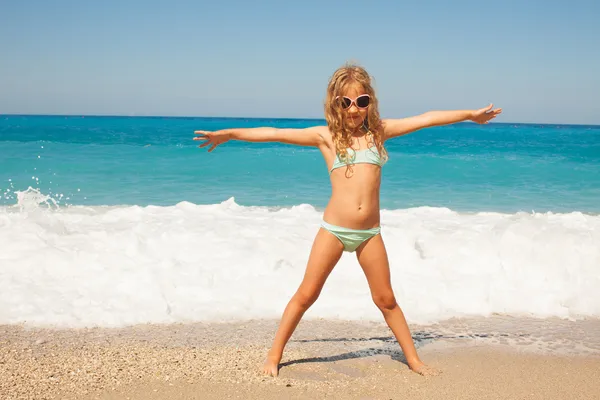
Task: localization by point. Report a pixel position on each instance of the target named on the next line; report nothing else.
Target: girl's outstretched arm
(398, 127)
(313, 136)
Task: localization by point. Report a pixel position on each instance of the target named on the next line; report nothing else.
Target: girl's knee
(306, 297)
(385, 301)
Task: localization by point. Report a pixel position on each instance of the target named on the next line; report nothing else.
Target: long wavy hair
(335, 116)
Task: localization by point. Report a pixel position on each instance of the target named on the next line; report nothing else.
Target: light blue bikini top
(364, 156)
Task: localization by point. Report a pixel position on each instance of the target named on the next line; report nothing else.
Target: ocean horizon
(321, 119)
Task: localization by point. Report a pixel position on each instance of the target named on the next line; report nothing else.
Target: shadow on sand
(420, 339)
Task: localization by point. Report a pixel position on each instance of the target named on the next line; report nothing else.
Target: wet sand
(485, 358)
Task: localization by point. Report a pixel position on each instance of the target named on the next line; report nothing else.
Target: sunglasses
(361, 101)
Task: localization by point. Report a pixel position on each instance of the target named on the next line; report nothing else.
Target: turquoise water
(153, 160)
(201, 256)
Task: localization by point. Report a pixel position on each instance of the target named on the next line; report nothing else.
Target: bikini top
(364, 156)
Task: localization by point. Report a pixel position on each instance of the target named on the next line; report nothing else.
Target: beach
(169, 172)
(482, 358)
(135, 265)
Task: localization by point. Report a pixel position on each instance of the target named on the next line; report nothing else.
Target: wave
(121, 265)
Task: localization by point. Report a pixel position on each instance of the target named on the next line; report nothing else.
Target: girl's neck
(360, 132)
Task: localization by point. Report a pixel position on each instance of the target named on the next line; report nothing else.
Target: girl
(352, 144)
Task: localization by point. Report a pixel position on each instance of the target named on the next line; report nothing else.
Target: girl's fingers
(203, 137)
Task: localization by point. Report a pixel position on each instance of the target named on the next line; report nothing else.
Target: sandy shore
(491, 358)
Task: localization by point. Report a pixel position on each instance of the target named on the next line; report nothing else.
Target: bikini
(352, 238)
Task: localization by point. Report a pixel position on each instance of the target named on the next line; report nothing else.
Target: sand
(485, 358)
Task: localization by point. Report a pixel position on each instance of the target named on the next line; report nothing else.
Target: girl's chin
(354, 123)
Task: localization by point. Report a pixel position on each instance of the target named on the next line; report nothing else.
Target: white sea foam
(114, 266)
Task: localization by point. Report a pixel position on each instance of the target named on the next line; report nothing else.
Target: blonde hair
(335, 116)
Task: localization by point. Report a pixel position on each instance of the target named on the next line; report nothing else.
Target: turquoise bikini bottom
(351, 238)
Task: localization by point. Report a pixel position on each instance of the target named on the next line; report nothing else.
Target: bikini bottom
(351, 238)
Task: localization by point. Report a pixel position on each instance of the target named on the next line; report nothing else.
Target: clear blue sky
(538, 60)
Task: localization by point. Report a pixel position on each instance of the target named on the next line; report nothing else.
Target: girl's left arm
(399, 127)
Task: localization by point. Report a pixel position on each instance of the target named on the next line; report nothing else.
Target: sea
(115, 221)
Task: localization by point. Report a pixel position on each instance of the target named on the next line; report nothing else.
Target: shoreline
(547, 359)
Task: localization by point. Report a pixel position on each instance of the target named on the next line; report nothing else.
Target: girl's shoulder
(325, 133)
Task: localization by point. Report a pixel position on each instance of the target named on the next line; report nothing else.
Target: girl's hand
(212, 138)
(484, 115)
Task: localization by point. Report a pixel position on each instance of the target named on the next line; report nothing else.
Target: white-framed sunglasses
(361, 101)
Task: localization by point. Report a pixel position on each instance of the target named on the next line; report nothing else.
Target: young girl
(352, 144)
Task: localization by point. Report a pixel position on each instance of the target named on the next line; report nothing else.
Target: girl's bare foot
(271, 366)
(420, 368)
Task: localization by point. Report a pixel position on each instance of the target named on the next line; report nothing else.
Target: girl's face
(355, 104)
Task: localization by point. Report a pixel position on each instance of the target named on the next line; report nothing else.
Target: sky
(538, 60)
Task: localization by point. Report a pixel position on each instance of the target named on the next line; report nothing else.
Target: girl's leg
(373, 259)
(326, 252)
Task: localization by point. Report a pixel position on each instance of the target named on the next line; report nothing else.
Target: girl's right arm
(313, 136)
